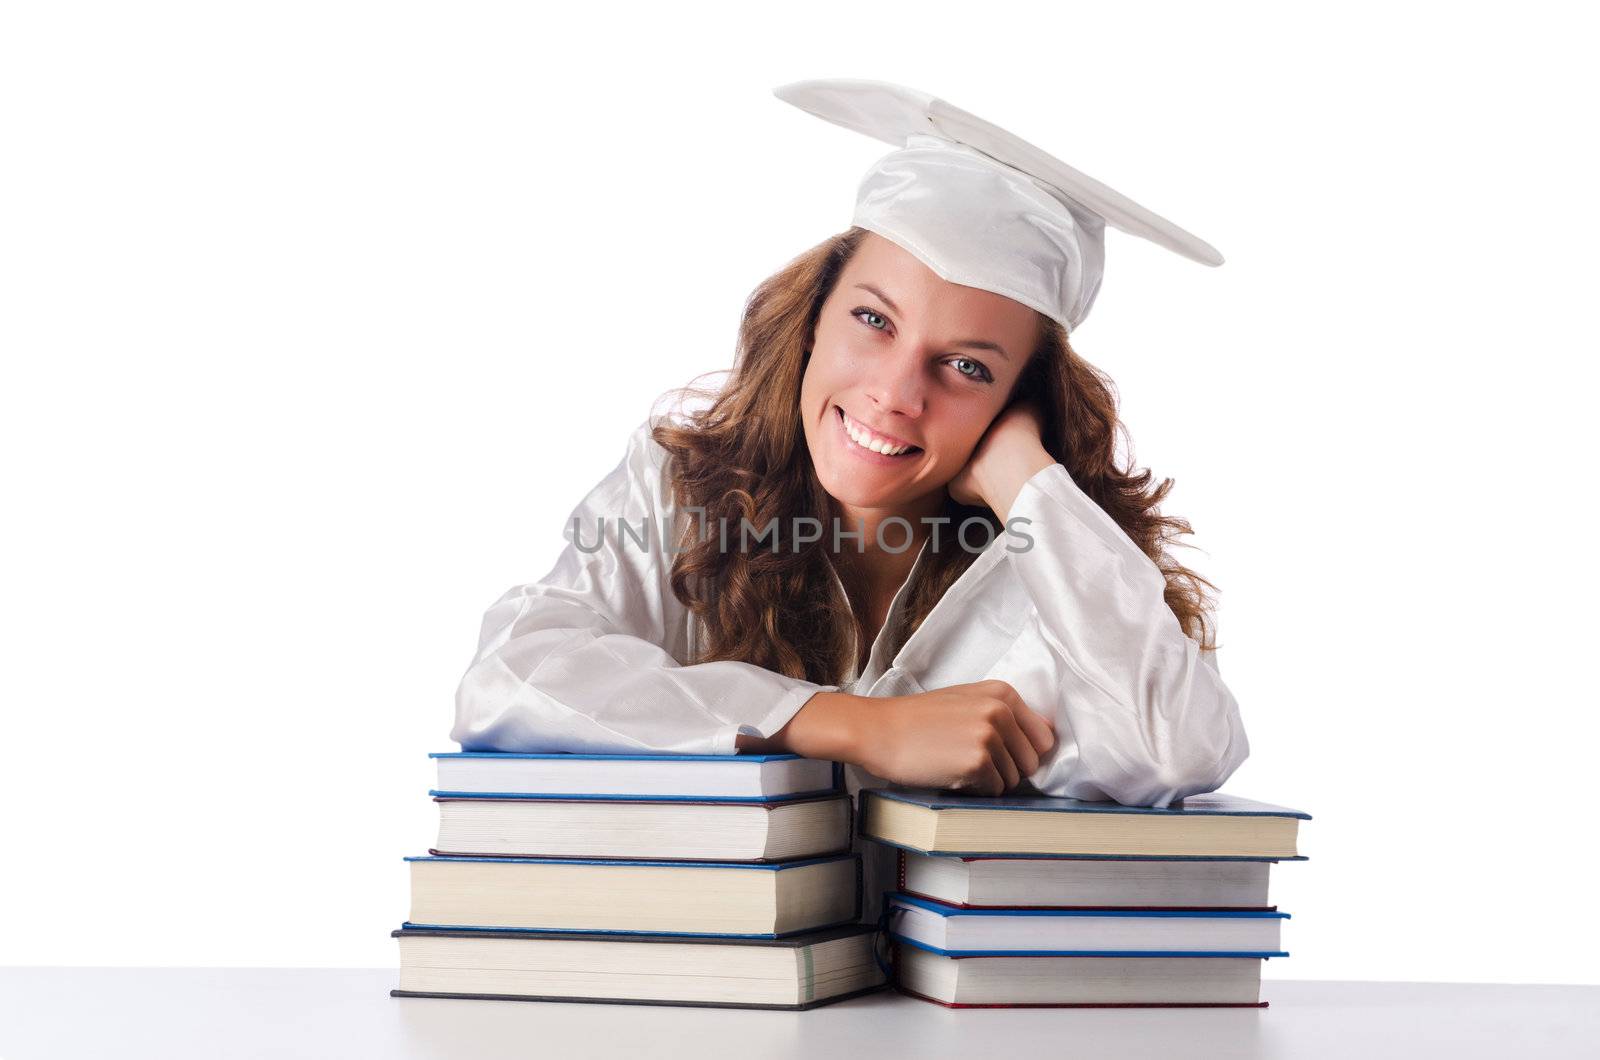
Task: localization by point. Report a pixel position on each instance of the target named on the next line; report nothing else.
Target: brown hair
(745, 457)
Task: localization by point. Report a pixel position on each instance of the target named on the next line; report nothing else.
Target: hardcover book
(955, 932)
(1085, 883)
(745, 777)
(1202, 826)
(712, 830)
(650, 897)
(1078, 982)
(798, 972)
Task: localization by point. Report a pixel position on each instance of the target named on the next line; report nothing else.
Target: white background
(319, 318)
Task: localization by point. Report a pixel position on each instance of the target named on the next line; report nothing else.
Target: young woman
(897, 537)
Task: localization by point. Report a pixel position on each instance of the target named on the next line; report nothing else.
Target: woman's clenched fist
(980, 738)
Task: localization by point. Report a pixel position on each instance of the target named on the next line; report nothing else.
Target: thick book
(798, 972)
(955, 932)
(1086, 883)
(740, 777)
(713, 830)
(732, 898)
(1202, 826)
(1078, 982)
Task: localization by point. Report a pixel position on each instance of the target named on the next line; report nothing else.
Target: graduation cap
(980, 206)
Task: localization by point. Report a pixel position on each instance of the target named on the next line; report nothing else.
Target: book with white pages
(658, 776)
(798, 972)
(1211, 826)
(699, 830)
(955, 932)
(1045, 882)
(1078, 982)
(731, 898)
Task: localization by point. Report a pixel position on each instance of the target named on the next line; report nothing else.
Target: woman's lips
(862, 451)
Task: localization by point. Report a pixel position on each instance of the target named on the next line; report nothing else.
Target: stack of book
(1042, 901)
(639, 879)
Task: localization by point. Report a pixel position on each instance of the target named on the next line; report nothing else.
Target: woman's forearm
(827, 727)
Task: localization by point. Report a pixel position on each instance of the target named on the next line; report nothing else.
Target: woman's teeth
(866, 440)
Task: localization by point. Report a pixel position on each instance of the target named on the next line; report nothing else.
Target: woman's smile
(871, 445)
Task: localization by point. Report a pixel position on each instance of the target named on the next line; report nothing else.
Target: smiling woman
(895, 387)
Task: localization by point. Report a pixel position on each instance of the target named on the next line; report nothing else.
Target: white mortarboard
(981, 206)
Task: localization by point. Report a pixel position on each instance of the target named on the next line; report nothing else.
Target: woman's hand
(1010, 452)
(979, 737)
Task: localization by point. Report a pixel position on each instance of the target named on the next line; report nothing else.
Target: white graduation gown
(590, 658)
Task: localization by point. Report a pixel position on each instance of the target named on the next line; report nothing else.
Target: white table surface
(286, 1012)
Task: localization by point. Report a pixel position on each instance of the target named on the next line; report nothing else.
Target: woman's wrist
(1004, 476)
(826, 727)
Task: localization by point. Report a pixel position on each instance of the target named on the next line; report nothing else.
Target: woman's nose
(897, 384)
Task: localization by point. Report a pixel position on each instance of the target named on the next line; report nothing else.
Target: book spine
(859, 818)
(883, 944)
(860, 888)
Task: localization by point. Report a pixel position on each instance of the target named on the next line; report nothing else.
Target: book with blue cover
(1058, 882)
(1077, 982)
(666, 897)
(1203, 826)
(749, 778)
(693, 829)
(797, 972)
(955, 932)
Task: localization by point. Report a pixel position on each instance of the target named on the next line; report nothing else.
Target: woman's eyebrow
(885, 298)
(980, 344)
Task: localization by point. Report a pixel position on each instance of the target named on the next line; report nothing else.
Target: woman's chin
(869, 491)
(851, 490)
(861, 498)
(873, 483)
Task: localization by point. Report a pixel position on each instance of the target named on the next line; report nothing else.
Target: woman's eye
(859, 313)
(972, 369)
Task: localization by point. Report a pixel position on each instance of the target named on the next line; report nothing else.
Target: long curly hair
(744, 456)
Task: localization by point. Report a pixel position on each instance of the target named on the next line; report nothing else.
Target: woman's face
(904, 358)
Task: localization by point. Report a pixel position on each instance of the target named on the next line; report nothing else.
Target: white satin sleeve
(1141, 714)
(583, 659)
